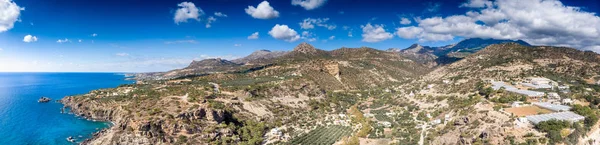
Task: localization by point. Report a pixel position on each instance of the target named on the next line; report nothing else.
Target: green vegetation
(509, 98)
(591, 115)
(323, 135)
(553, 128)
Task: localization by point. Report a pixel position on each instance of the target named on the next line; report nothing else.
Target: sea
(25, 121)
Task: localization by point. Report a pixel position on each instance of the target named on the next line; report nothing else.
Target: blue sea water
(25, 121)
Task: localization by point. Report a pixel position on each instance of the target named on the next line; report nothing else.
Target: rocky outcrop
(332, 67)
(44, 100)
(305, 48)
(461, 121)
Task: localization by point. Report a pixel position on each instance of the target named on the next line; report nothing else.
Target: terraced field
(322, 136)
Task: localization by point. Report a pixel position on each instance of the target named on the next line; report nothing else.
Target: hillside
(434, 56)
(348, 95)
(222, 106)
(513, 63)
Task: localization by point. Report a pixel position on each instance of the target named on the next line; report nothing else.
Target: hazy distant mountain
(260, 56)
(433, 56)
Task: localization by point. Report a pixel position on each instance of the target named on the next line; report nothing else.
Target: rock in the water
(44, 100)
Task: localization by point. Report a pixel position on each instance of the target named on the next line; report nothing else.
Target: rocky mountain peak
(305, 48)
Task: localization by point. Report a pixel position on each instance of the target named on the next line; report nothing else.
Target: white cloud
(310, 37)
(547, 22)
(409, 32)
(29, 38)
(283, 32)
(237, 45)
(405, 21)
(1, 49)
(181, 41)
(220, 14)
(187, 10)
(9, 14)
(375, 33)
(94, 35)
(210, 20)
(309, 23)
(262, 11)
(122, 54)
(63, 40)
(80, 40)
(331, 37)
(309, 4)
(253, 36)
(477, 4)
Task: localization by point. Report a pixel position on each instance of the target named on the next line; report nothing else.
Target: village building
(386, 124)
(553, 95)
(567, 101)
(516, 104)
(436, 122)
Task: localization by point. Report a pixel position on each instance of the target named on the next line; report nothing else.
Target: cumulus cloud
(408, 32)
(477, 4)
(237, 45)
(80, 40)
(253, 36)
(187, 10)
(375, 33)
(331, 37)
(405, 21)
(283, 32)
(309, 23)
(9, 14)
(94, 35)
(122, 54)
(309, 4)
(29, 38)
(262, 11)
(219, 14)
(63, 40)
(539, 22)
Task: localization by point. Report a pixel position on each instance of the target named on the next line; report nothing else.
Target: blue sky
(144, 36)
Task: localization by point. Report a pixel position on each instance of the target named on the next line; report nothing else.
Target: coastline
(94, 135)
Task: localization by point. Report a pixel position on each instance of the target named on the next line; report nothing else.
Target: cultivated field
(527, 110)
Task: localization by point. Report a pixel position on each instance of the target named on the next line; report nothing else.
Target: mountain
(312, 96)
(260, 56)
(434, 56)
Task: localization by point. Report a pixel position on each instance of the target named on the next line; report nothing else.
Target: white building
(448, 81)
(567, 101)
(436, 122)
(516, 104)
(563, 87)
(390, 114)
(385, 123)
(275, 132)
(540, 80)
(553, 95)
